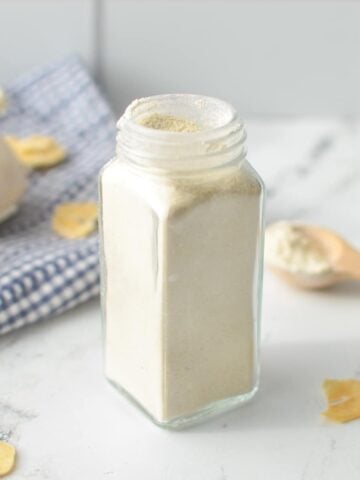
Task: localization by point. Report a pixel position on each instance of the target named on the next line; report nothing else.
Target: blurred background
(292, 70)
(267, 58)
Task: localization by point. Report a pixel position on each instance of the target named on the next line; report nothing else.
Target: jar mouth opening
(211, 115)
(218, 138)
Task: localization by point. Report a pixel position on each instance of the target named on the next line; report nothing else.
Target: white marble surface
(67, 423)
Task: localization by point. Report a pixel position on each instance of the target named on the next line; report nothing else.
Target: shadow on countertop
(290, 394)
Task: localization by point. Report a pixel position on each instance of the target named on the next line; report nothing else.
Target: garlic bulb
(13, 182)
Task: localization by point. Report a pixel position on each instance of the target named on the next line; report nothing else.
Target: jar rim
(193, 103)
(220, 138)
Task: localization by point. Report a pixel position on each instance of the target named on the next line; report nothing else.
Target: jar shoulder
(255, 177)
(167, 195)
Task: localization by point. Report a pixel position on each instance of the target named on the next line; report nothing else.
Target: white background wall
(270, 57)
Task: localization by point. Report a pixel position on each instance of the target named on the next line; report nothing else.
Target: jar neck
(219, 140)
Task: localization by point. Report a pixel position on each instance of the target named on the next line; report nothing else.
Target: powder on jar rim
(169, 123)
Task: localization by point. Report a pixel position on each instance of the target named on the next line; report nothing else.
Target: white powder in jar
(169, 123)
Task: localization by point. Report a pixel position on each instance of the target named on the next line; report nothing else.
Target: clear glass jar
(182, 243)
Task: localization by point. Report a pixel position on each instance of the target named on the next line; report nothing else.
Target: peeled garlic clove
(75, 219)
(13, 181)
(36, 151)
(7, 458)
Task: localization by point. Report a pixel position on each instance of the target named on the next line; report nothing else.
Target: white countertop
(68, 423)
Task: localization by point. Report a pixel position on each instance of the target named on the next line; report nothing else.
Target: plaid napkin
(42, 274)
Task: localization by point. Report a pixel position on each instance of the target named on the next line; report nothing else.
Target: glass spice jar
(182, 247)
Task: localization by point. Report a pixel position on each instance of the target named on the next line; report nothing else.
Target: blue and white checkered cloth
(42, 274)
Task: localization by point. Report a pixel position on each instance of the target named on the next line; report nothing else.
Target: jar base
(185, 421)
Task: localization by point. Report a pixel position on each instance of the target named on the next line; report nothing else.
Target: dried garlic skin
(37, 151)
(7, 458)
(75, 220)
(3, 102)
(343, 398)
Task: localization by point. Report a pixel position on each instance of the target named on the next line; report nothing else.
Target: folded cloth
(42, 274)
